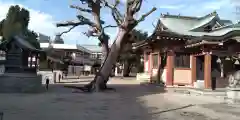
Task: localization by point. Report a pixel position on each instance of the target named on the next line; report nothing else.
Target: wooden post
(207, 71)
(159, 63)
(145, 60)
(193, 69)
(149, 62)
(169, 70)
(150, 66)
(31, 60)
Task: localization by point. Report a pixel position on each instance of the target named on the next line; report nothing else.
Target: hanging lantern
(218, 60)
(236, 62)
(227, 58)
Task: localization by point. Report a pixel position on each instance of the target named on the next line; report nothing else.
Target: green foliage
(31, 37)
(128, 55)
(16, 23)
(127, 52)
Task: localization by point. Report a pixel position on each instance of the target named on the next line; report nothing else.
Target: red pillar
(169, 69)
(150, 66)
(207, 71)
(193, 69)
(145, 60)
(149, 63)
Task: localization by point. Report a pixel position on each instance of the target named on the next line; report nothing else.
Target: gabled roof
(66, 47)
(193, 26)
(21, 42)
(192, 29)
(93, 48)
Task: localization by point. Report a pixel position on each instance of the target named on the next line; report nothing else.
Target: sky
(44, 14)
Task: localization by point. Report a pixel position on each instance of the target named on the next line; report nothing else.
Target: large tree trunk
(105, 50)
(101, 78)
(161, 67)
(111, 59)
(127, 68)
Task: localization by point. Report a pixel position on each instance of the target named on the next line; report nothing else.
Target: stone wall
(20, 83)
(53, 76)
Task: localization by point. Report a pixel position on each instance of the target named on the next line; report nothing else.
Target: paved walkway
(131, 102)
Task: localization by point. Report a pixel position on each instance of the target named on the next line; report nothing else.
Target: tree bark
(161, 67)
(126, 69)
(111, 59)
(101, 79)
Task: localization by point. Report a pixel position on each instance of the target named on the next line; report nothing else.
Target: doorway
(200, 68)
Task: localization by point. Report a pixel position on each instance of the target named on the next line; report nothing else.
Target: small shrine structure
(199, 50)
(20, 71)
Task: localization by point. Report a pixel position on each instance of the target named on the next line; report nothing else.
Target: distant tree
(16, 23)
(128, 56)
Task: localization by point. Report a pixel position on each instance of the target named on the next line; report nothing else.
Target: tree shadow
(126, 103)
(129, 102)
(174, 109)
(76, 81)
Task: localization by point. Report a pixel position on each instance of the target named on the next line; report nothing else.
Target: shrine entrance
(200, 68)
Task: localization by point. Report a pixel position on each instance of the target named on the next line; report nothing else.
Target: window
(155, 60)
(182, 61)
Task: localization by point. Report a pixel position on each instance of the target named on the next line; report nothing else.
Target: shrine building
(198, 49)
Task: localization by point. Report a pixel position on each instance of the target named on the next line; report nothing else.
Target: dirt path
(130, 102)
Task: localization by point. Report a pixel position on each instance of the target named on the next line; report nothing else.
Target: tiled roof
(66, 47)
(193, 26)
(93, 48)
(21, 42)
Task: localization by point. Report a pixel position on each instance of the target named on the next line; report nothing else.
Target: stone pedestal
(199, 84)
(20, 83)
(143, 77)
(233, 94)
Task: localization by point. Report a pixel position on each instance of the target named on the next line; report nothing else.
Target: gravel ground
(131, 101)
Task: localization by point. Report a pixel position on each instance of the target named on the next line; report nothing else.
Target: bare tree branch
(67, 30)
(133, 6)
(68, 23)
(136, 6)
(82, 21)
(108, 26)
(81, 9)
(153, 25)
(117, 16)
(145, 15)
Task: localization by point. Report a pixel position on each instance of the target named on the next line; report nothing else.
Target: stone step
(143, 77)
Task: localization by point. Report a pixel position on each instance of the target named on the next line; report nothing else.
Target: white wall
(146, 66)
(49, 74)
(164, 75)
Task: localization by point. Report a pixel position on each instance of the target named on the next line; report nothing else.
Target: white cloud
(40, 22)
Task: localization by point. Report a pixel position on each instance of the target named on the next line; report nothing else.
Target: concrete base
(233, 94)
(49, 74)
(20, 83)
(199, 84)
(143, 77)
